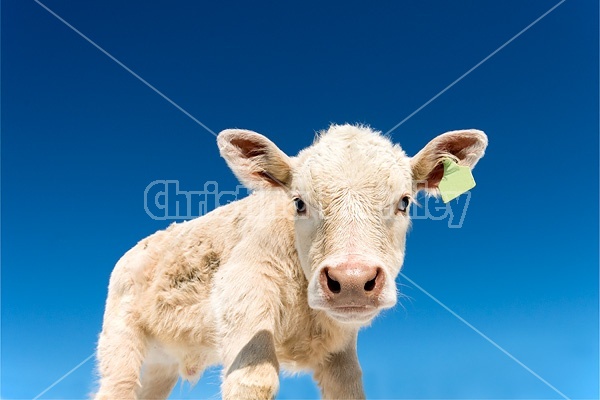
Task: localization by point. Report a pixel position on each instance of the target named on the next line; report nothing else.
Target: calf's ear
(464, 147)
(255, 160)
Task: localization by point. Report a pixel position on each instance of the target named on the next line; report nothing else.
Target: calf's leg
(254, 372)
(121, 351)
(247, 310)
(158, 380)
(340, 376)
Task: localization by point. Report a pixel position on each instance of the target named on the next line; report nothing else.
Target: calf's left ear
(255, 160)
(464, 147)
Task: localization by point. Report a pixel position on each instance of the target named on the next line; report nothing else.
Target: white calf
(286, 276)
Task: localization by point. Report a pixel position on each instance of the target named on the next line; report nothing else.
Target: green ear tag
(457, 180)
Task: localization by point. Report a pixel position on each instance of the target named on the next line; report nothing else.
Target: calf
(286, 276)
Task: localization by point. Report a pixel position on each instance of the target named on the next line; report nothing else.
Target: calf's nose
(357, 284)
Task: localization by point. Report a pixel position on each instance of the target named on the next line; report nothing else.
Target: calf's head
(350, 193)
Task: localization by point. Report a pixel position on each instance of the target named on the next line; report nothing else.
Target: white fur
(239, 286)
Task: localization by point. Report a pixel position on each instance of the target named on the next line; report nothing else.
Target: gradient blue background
(81, 139)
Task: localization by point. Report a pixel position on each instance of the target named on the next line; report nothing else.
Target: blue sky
(82, 138)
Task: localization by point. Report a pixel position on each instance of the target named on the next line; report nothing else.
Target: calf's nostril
(332, 284)
(370, 285)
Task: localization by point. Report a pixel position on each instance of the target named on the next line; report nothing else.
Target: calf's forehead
(353, 160)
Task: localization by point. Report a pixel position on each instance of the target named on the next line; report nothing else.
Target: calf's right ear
(255, 160)
(464, 147)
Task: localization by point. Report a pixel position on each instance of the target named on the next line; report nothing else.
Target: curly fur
(238, 286)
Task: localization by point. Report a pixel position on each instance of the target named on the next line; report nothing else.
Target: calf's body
(282, 278)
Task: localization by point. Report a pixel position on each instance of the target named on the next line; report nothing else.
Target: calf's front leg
(254, 371)
(340, 376)
(247, 316)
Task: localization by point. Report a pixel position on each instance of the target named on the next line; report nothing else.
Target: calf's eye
(403, 204)
(300, 205)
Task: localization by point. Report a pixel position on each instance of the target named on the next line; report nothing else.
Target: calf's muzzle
(352, 285)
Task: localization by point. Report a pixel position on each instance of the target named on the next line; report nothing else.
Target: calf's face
(350, 193)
